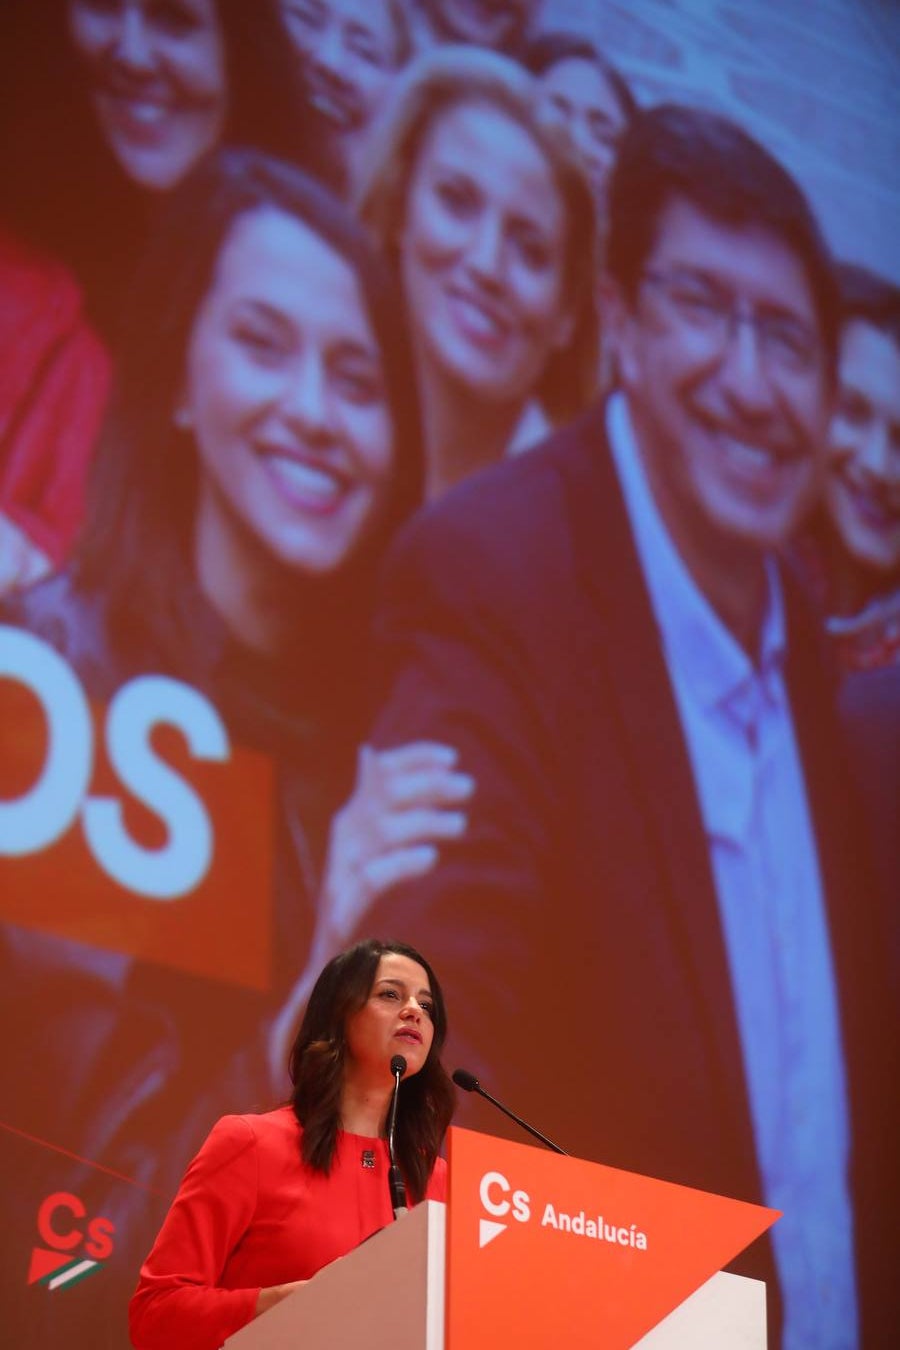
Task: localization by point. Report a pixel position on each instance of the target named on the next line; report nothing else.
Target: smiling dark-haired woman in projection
(262, 447)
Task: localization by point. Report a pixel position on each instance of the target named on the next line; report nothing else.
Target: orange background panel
(222, 929)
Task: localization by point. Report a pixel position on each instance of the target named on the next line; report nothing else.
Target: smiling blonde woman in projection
(483, 203)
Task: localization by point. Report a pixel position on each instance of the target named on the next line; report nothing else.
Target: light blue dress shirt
(737, 723)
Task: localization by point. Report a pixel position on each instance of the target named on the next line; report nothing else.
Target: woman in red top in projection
(107, 108)
(271, 1199)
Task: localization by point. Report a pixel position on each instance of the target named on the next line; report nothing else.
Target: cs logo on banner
(499, 1199)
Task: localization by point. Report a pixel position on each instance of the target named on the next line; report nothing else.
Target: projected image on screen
(450, 492)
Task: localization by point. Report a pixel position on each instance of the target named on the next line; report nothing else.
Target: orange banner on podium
(619, 1250)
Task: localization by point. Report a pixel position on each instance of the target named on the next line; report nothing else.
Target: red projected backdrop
(450, 490)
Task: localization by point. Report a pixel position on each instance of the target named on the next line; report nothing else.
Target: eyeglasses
(786, 344)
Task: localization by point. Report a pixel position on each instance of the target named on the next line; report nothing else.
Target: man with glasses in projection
(658, 927)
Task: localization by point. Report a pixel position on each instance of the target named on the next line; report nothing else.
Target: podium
(537, 1251)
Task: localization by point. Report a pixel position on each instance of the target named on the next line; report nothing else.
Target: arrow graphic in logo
(488, 1230)
(55, 1269)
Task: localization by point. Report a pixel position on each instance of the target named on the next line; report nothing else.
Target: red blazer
(249, 1214)
(54, 384)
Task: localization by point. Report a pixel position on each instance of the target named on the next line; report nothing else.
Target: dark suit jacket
(576, 926)
(870, 704)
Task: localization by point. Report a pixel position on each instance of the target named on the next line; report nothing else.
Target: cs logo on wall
(73, 1245)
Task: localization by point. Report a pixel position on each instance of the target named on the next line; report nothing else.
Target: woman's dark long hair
(63, 189)
(318, 1056)
(136, 542)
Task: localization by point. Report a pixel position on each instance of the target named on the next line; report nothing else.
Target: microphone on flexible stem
(469, 1083)
(395, 1177)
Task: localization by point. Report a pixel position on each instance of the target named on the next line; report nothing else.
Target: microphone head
(467, 1081)
(398, 1066)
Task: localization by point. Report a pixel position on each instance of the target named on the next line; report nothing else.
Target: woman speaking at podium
(271, 1199)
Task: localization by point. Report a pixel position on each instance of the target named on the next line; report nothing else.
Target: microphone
(395, 1177)
(469, 1083)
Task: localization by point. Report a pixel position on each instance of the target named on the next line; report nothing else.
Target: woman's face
(156, 77)
(349, 50)
(396, 1019)
(578, 93)
(862, 489)
(284, 393)
(483, 254)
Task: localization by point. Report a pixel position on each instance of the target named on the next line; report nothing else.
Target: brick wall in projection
(818, 81)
